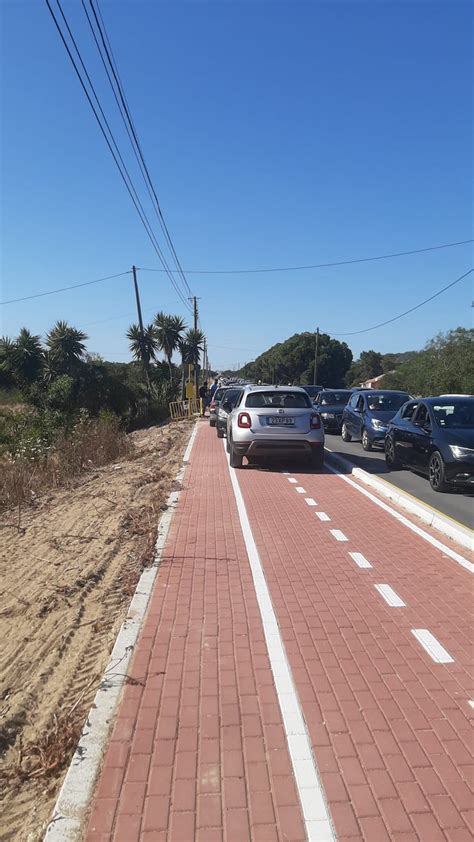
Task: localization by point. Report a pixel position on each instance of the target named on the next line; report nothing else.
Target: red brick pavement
(390, 728)
(198, 750)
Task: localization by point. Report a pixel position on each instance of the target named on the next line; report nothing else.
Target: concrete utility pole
(145, 359)
(316, 349)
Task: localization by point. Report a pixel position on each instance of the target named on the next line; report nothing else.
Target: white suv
(278, 421)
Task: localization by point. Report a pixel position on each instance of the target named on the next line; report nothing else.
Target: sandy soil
(67, 577)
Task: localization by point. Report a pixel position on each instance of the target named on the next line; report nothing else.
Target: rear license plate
(277, 422)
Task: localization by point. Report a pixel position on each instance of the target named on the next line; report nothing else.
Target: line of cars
(433, 436)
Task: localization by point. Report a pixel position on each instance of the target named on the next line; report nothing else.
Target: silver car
(278, 421)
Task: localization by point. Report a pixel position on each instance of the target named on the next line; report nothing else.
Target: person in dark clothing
(213, 388)
(204, 395)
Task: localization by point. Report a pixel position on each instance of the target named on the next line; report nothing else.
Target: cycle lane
(389, 725)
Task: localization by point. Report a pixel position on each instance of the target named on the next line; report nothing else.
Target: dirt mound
(68, 570)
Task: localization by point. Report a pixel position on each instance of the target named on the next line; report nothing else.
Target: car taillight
(315, 422)
(244, 420)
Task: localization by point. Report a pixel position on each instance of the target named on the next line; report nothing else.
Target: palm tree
(186, 352)
(169, 330)
(66, 347)
(195, 340)
(143, 349)
(22, 357)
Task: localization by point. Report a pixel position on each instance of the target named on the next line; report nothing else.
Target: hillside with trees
(292, 361)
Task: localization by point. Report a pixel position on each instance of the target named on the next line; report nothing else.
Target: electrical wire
(131, 129)
(406, 312)
(128, 184)
(63, 289)
(317, 265)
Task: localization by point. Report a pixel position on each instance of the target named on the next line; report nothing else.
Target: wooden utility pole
(316, 349)
(145, 360)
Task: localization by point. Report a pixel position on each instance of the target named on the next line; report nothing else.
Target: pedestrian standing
(204, 395)
(213, 388)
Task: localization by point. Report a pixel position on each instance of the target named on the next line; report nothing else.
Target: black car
(226, 405)
(330, 404)
(434, 436)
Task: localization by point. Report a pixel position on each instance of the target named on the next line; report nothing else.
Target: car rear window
(287, 400)
(382, 403)
(218, 395)
(455, 415)
(329, 398)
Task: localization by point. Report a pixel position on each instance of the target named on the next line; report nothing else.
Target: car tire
(344, 434)
(317, 458)
(220, 433)
(437, 472)
(212, 423)
(366, 443)
(391, 461)
(234, 459)
(227, 444)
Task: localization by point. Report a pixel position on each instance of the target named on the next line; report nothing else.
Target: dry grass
(28, 473)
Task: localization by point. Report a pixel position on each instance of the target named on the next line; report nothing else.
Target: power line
(317, 265)
(63, 289)
(126, 115)
(128, 184)
(411, 310)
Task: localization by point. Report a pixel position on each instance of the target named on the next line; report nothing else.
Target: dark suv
(330, 404)
(367, 414)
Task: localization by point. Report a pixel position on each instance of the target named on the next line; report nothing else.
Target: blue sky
(276, 134)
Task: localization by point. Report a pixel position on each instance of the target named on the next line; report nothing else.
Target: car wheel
(317, 458)
(346, 436)
(220, 433)
(437, 472)
(366, 443)
(391, 461)
(234, 459)
(212, 423)
(227, 444)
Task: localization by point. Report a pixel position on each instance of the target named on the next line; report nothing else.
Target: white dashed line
(338, 535)
(390, 597)
(292, 479)
(300, 489)
(471, 703)
(322, 516)
(310, 501)
(360, 560)
(286, 473)
(317, 818)
(432, 646)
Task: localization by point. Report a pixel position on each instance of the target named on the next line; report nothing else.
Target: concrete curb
(75, 795)
(458, 533)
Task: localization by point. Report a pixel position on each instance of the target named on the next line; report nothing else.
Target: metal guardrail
(185, 409)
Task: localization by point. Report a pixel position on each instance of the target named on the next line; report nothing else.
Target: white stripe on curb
(338, 535)
(468, 565)
(462, 535)
(432, 646)
(390, 597)
(322, 516)
(360, 560)
(316, 814)
(70, 810)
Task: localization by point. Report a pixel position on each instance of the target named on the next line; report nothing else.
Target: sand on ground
(67, 575)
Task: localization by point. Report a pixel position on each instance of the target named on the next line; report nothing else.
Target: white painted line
(292, 479)
(286, 473)
(300, 489)
(468, 565)
(471, 703)
(338, 535)
(390, 597)
(70, 811)
(315, 810)
(310, 501)
(360, 560)
(322, 516)
(432, 646)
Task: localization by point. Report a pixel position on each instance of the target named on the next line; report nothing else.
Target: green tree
(292, 361)
(66, 348)
(22, 358)
(445, 365)
(144, 350)
(168, 333)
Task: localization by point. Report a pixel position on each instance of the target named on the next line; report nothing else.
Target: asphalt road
(455, 504)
